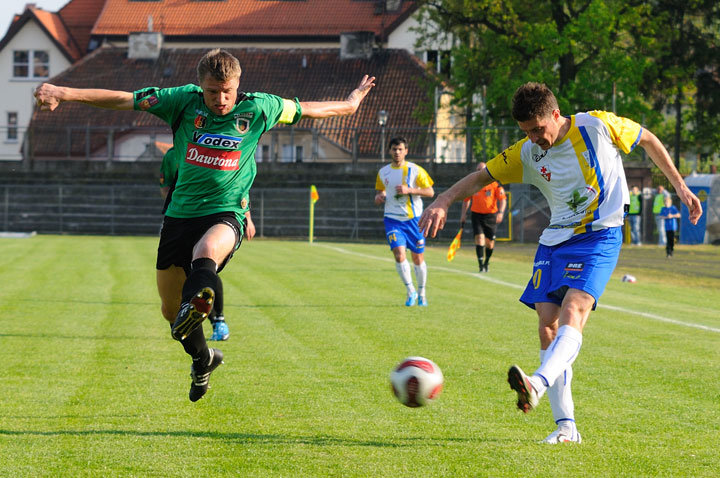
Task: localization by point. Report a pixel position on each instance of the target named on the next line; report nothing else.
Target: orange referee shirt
(485, 201)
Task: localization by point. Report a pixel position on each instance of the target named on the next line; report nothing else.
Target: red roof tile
(55, 27)
(399, 91)
(79, 16)
(247, 18)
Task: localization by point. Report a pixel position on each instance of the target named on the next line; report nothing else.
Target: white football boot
(563, 434)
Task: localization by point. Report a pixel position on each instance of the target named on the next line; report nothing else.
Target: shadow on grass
(253, 438)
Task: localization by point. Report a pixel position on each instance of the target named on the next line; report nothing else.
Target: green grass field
(92, 384)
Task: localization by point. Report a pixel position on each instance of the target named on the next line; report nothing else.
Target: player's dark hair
(397, 140)
(533, 100)
(219, 64)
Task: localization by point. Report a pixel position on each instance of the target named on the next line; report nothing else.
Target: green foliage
(93, 385)
(595, 54)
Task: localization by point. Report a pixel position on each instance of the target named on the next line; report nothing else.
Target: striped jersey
(402, 207)
(581, 175)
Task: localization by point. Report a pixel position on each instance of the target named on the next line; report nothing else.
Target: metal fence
(281, 144)
(340, 214)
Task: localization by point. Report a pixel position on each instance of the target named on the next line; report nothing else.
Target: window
(441, 60)
(262, 154)
(31, 64)
(292, 154)
(12, 126)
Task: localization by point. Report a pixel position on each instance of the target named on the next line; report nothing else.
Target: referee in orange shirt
(488, 207)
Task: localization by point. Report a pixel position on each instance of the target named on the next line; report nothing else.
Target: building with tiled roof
(38, 44)
(247, 23)
(84, 25)
(77, 131)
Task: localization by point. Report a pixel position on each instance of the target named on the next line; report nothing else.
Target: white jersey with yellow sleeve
(402, 207)
(581, 176)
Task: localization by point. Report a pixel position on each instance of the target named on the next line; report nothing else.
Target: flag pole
(312, 217)
(313, 199)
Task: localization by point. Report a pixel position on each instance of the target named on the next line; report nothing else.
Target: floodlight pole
(382, 121)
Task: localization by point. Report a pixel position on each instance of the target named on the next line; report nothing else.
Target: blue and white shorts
(404, 233)
(583, 262)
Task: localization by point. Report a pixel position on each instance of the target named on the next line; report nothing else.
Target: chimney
(356, 45)
(144, 45)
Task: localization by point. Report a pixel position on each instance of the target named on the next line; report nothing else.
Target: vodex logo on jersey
(223, 153)
(216, 140)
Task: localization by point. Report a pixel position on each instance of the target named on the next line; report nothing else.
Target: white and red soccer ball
(416, 381)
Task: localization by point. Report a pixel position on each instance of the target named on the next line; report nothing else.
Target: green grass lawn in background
(93, 385)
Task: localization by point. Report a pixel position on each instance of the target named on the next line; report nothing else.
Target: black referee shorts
(485, 224)
(178, 236)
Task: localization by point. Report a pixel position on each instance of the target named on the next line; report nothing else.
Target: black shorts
(485, 224)
(178, 236)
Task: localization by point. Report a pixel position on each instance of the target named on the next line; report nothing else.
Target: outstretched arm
(434, 217)
(660, 156)
(326, 109)
(48, 97)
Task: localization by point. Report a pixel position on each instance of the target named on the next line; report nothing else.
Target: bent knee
(169, 313)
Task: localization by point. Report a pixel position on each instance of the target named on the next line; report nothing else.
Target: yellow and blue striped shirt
(581, 175)
(397, 206)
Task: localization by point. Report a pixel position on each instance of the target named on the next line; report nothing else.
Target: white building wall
(16, 93)
(405, 36)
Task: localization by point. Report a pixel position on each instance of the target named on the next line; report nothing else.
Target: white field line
(659, 318)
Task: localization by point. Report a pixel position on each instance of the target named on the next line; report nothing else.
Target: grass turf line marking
(656, 317)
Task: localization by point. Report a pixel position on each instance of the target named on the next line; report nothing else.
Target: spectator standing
(635, 215)
(658, 204)
(670, 215)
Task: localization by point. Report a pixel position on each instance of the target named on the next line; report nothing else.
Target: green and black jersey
(216, 153)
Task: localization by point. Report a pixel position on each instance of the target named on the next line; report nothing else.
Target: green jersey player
(216, 130)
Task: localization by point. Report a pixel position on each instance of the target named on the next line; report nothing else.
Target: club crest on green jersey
(242, 125)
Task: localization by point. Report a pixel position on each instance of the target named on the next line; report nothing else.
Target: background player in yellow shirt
(401, 185)
(488, 207)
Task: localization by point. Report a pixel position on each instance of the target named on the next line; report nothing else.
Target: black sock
(479, 252)
(219, 303)
(488, 253)
(196, 346)
(202, 274)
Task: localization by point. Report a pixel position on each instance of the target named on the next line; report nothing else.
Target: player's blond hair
(533, 100)
(219, 64)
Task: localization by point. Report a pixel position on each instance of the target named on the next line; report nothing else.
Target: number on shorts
(536, 278)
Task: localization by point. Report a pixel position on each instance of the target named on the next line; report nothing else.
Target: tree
(594, 54)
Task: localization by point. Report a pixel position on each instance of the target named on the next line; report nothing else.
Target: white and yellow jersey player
(581, 176)
(401, 185)
(575, 161)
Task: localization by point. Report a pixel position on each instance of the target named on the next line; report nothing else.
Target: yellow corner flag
(454, 245)
(314, 194)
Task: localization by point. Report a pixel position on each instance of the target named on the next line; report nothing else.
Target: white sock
(559, 356)
(560, 397)
(421, 276)
(403, 270)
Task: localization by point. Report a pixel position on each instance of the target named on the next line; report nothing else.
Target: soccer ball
(416, 381)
